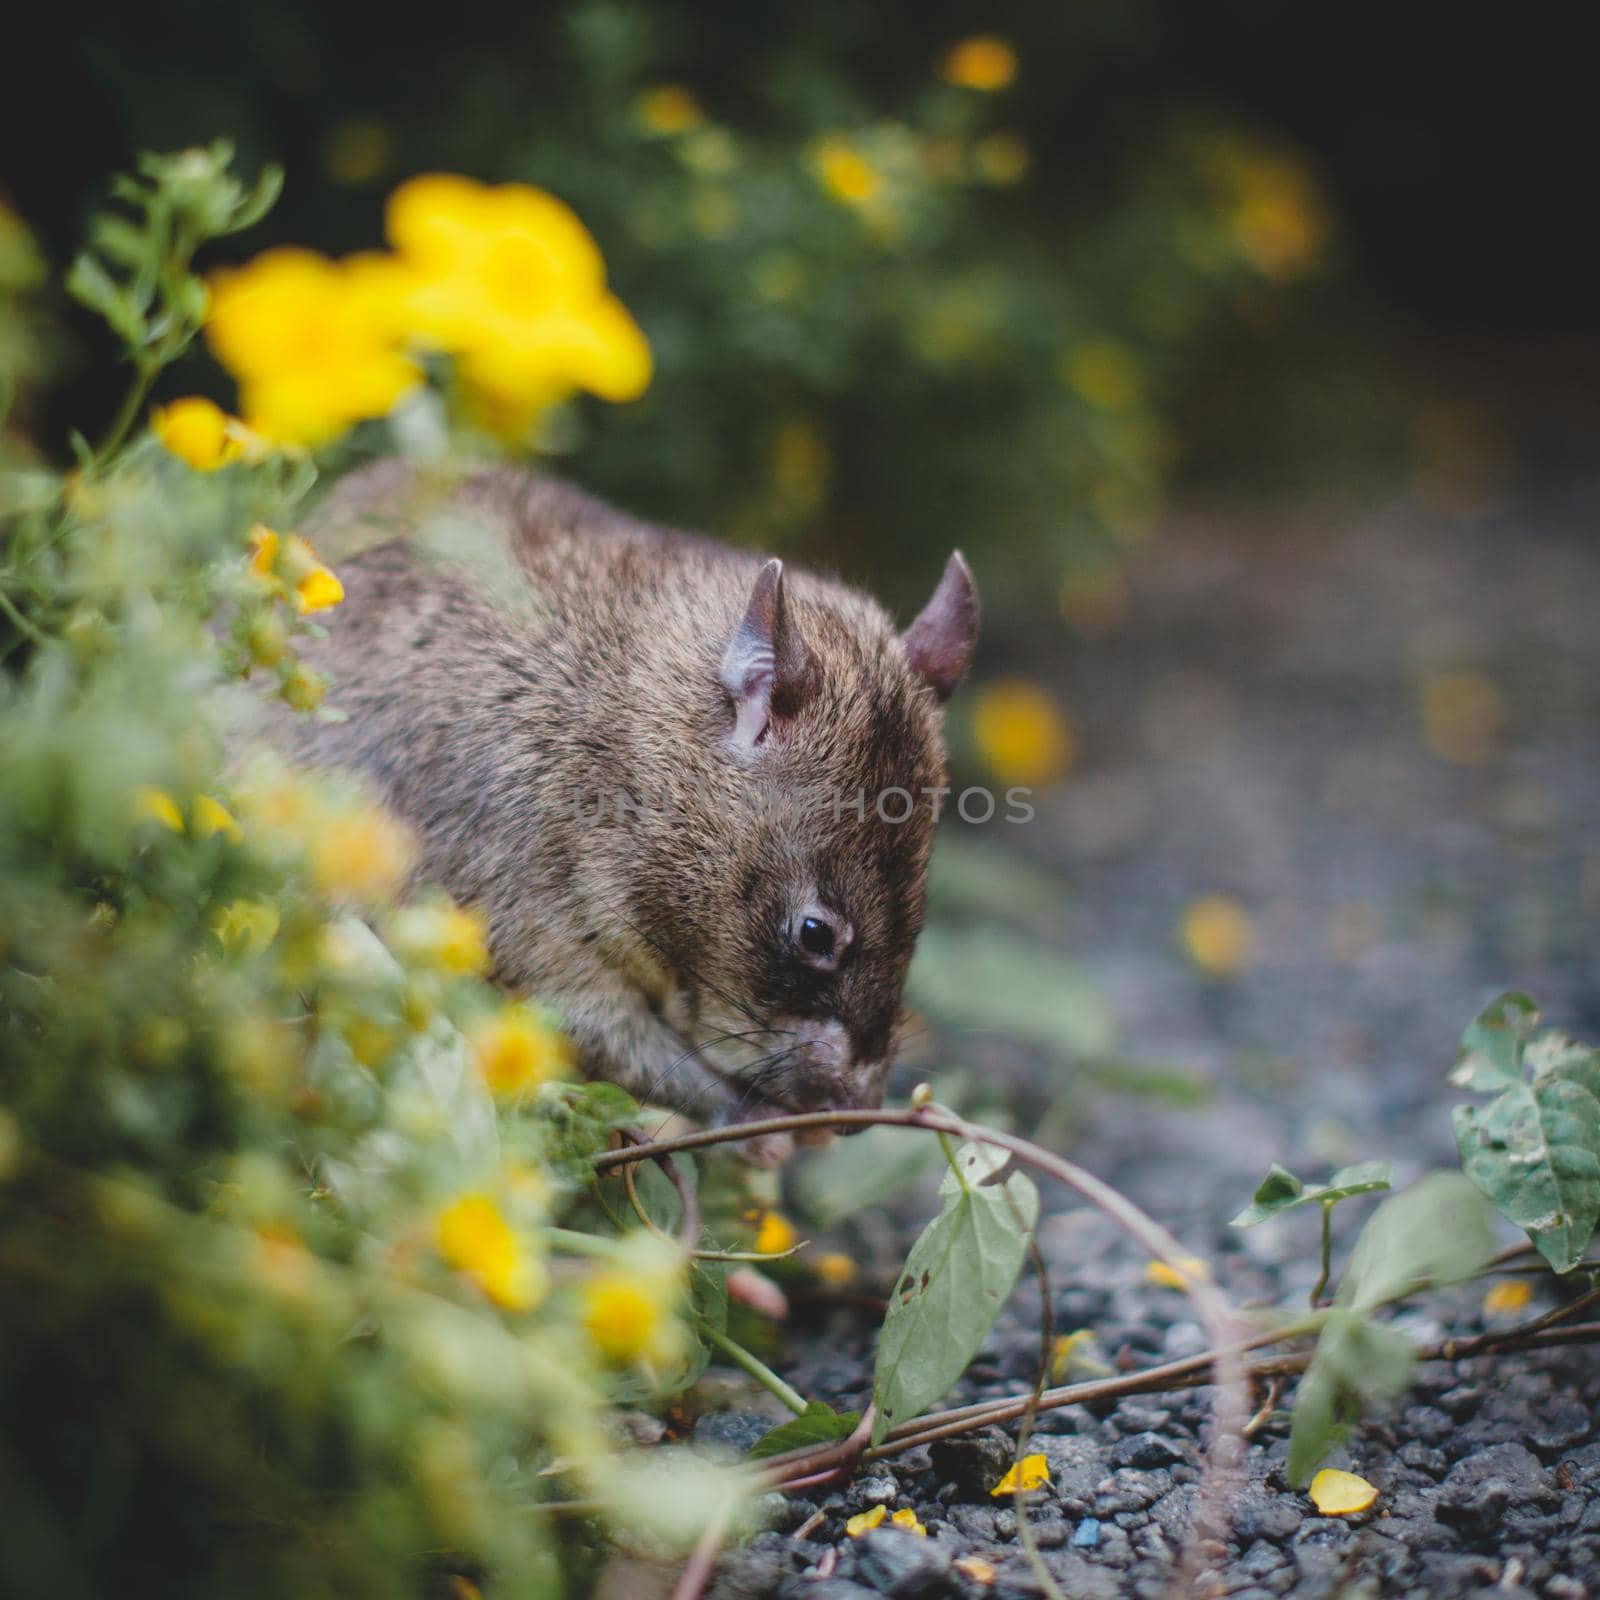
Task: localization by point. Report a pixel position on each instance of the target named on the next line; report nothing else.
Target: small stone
(1145, 1450)
(901, 1564)
(1087, 1535)
(974, 1462)
(1561, 1424)
(1424, 1459)
(731, 1432)
(877, 1491)
(1005, 1524)
(1480, 1488)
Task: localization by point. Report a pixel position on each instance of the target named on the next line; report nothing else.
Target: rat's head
(824, 739)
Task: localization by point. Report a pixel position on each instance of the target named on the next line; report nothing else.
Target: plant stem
(1327, 1253)
(127, 414)
(18, 621)
(574, 1243)
(757, 1368)
(955, 1166)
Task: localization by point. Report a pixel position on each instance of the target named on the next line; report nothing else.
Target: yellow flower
(158, 806)
(835, 1269)
(443, 936)
(1507, 1296)
(211, 816)
(196, 431)
(1217, 935)
(669, 108)
(1463, 717)
(1189, 1269)
(314, 344)
(247, 925)
(1020, 734)
(845, 173)
(292, 560)
(907, 1520)
(509, 281)
(361, 855)
(517, 1050)
(776, 1234)
(1031, 1472)
(628, 1311)
(478, 1242)
(1280, 218)
(859, 1526)
(983, 62)
(1104, 373)
(1341, 1494)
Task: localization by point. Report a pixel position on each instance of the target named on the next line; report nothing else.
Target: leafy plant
(1282, 1191)
(957, 1277)
(1534, 1149)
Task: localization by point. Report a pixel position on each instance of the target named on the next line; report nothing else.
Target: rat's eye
(819, 938)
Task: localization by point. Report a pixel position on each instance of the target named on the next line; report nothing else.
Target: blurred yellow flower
(1508, 1296)
(293, 561)
(1031, 1472)
(984, 62)
(443, 936)
(1463, 717)
(835, 1269)
(1341, 1494)
(845, 173)
(475, 1239)
(196, 431)
(668, 108)
(211, 816)
(1217, 935)
(1280, 218)
(157, 805)
(361, 856)
(509, 281)
(517, 1050)
(628, 1313)
(776, 1234)
(1020, 734)
(1104, 373)
(247, 925)
(1001, 158)
(315, 345)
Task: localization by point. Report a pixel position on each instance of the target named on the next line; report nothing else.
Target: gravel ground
(1254, 727)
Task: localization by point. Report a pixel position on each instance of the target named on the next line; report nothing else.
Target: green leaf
(260, 200)
(857, 1173)
(1491, 1049)
(1435, 1232)
(1281, 1191)
(958, 1275)
(1359, 1364)
(1535, 1152)
(817, 1424)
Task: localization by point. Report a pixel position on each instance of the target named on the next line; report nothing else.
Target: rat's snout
(823, 1071)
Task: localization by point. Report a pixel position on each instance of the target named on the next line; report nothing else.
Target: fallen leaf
(1031, 1472)
(1341, 1494)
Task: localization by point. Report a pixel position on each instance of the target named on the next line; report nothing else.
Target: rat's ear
(939, 643)
(766, 671)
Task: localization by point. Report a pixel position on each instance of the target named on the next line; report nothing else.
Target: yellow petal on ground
(975, 1568)
(1031, 1472)
(1217, 935)
(1190, 1269)
(1507, 1296)
(836, 1269)
(861, 1525)
(1463, 717)
(1341, 1494)
(908, 1521)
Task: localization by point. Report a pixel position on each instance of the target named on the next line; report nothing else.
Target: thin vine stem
(754, 1366)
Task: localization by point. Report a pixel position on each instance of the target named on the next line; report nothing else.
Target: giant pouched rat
(691, 790)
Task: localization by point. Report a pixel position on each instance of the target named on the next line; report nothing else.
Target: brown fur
(502, 705)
